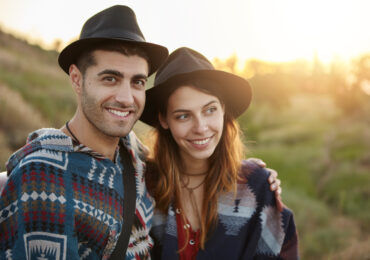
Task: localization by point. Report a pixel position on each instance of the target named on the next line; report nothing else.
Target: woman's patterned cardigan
(250, 225)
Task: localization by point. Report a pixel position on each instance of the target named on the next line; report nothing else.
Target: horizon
(284, 32)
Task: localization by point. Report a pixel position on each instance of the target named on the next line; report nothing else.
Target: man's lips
(119, 112)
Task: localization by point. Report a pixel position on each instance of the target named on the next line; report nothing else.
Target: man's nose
(124, 94)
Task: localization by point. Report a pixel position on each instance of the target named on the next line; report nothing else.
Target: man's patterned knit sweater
(64, 201)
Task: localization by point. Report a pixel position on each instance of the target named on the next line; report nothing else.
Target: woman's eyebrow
(187, 110)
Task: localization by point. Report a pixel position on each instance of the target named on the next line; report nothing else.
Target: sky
(270, 30)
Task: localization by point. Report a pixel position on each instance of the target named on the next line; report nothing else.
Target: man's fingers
(275, 185)
(259, 162)
(273, 175)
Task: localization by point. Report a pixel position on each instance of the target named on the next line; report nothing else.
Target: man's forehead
(120, 61)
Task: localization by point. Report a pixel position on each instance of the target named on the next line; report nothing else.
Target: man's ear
(76, 77)
(162, 121)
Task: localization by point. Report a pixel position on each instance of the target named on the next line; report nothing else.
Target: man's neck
(91, 137)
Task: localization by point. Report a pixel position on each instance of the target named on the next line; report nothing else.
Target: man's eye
(140, 82)
(110, 79)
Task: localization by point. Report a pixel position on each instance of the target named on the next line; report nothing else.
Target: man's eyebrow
(111, 72)
(140, 76)
(119, 74)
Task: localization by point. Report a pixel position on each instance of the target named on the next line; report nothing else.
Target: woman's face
(195, 120)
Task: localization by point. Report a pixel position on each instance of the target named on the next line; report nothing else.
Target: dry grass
(17, 119)
(16, 111)
(4, 151)
(359, 250)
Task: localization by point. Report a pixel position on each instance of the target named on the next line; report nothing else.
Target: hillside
(34, 92)
(307, 122)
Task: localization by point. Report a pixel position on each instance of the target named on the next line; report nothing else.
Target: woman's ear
(223, 108)
(162, 121)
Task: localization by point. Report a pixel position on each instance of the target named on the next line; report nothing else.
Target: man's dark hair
(87, 59)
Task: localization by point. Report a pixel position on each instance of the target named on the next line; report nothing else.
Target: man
(65, 197)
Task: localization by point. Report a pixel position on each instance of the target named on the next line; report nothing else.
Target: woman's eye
(182, 117)
(210, 110)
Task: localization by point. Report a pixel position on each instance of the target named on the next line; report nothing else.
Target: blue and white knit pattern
(64, 201)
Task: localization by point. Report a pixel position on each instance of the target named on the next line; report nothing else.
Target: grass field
(306, 122)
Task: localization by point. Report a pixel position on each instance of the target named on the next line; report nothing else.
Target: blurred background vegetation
(309, 121)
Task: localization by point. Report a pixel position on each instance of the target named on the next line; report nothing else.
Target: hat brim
(235, 92)
(156, 53)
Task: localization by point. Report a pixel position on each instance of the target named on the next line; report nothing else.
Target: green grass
(292, 164)
(295, 124)
(319, 232)
(323, 162)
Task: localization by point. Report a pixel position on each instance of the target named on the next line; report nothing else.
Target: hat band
(112, 33)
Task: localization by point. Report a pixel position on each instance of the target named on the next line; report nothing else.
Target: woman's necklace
(193, 201)
(69, 130)
(194, 174)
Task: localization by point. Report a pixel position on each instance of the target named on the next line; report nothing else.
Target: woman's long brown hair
(165, 167)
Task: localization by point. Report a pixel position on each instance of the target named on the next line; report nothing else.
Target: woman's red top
(192, 246)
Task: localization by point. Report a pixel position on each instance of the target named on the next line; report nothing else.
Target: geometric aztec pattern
(56, 159)
(234, 212)
(272, 234)
(249, 225)
(8, 211)
(85, 254)
(43, 196)
(96, 213)
(75, 186)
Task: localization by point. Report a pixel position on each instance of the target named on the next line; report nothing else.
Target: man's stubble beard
(94, 113)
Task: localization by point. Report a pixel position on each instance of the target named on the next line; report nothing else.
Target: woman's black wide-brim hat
(114, 23)
(184, 64)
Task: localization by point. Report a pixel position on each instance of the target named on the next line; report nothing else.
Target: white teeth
(119, 113)
(204, 141)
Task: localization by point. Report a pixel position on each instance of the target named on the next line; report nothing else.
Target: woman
(210, 203)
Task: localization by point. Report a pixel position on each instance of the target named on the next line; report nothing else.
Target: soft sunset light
(307, 63)
(270, 30)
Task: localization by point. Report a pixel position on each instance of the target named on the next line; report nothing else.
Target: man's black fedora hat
(114, 23)
(184, 64)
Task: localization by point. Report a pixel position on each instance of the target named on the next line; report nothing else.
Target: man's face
(112, 97)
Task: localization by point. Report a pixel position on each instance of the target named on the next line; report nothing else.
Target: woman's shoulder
(254, 178)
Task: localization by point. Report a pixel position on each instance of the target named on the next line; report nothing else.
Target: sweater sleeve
(35, 218)
(278, 236)
(289, 249)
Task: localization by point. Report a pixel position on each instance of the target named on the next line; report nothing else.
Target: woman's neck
(195, 167)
